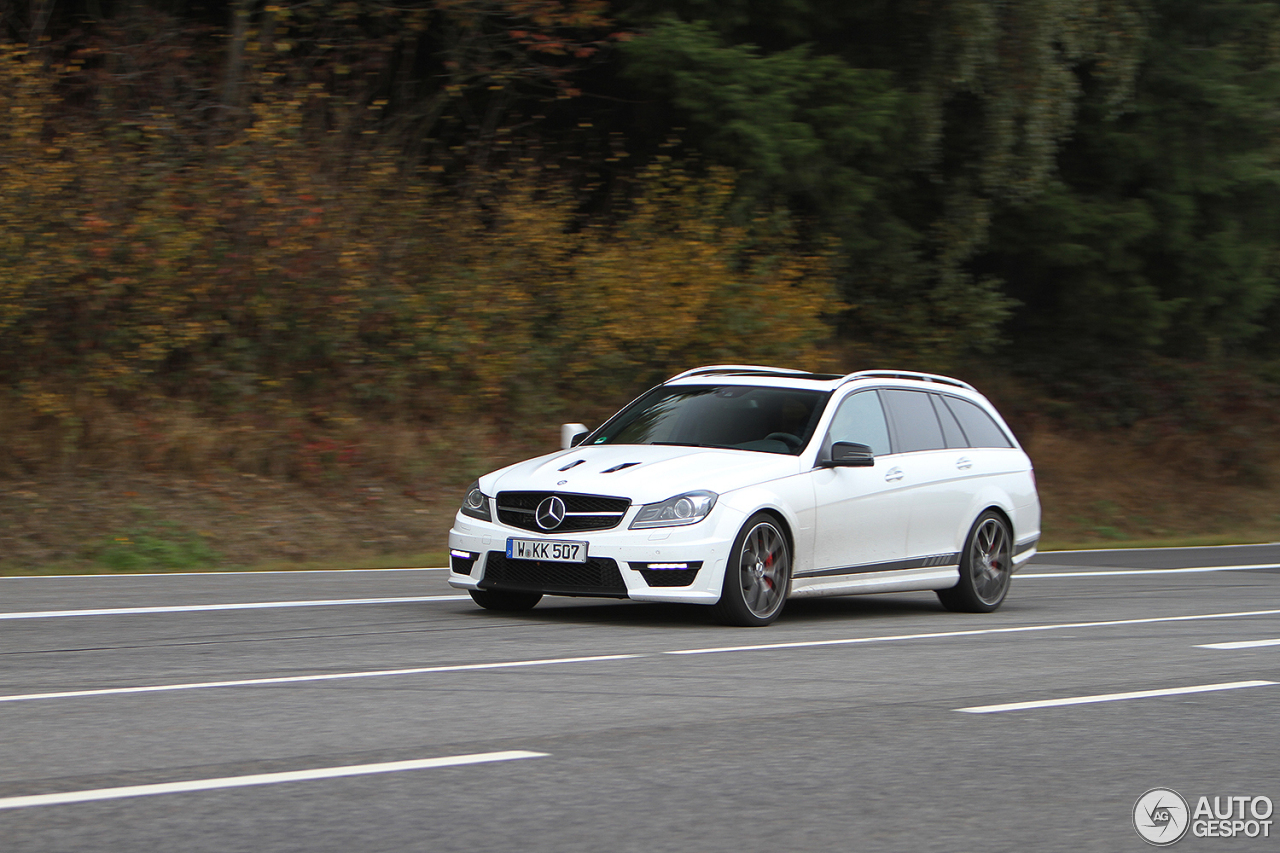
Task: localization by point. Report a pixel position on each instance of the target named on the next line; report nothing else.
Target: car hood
(645, 473)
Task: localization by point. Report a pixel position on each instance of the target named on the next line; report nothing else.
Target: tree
(894, 127)
(1160, 234)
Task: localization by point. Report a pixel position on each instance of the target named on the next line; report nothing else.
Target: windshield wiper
(693, 444)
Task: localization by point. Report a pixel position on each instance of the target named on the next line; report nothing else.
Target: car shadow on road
(585, 611)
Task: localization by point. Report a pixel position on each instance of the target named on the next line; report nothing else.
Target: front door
(860, 513)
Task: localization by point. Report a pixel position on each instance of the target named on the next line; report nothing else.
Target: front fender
(792, 500)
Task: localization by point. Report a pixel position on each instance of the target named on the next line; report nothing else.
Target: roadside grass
(440, 558)
(153, 545)
(147, 554)
(422, 560)
(1242, 537)
(356, 493)
(138, 551)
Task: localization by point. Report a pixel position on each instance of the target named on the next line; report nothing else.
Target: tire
(986, 567)
(510, 602)
(757, 578)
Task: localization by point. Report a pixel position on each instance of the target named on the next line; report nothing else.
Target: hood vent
(573, 464)
(619, 467)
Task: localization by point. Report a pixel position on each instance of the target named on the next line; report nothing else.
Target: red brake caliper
(768, 562)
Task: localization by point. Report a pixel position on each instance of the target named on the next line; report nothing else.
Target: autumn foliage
(276, 272)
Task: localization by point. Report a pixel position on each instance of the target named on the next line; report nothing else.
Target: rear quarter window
(979, 427)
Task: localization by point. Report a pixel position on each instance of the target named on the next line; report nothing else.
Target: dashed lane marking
(1113, 697)
(302, 679)
(975, 632)
(336, 676)
(192, 785)
(1241, 644)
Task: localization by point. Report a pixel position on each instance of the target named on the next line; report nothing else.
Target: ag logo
(1161, 816)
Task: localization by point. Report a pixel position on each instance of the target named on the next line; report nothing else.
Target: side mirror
(571, 435)
(847, 454)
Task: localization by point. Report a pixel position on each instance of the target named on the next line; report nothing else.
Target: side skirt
(896, 580)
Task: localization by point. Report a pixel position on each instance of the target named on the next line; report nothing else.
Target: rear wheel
(758, 576)
(985, 567)
(492, 599)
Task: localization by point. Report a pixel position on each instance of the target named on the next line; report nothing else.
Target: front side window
(738, 417)
(860, 419)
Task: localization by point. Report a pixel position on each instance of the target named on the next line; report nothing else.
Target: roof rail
(908, 374)
(712, 369)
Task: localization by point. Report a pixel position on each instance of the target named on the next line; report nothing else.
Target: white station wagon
(739, 487)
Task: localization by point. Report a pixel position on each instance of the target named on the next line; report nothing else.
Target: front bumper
(641, 565)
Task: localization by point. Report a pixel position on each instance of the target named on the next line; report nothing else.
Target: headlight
(476, 503)
(682, 509)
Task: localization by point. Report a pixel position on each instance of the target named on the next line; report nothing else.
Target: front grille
(599, 576)
(667, 577)
(582, 512)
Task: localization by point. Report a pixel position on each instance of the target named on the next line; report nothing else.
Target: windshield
(740, 417)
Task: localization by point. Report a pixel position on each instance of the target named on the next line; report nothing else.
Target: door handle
(893, 475)
(964, 463)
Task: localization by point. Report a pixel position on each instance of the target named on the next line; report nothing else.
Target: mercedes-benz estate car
(739, 487)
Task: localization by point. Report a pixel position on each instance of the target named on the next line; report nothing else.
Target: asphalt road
(330, 711)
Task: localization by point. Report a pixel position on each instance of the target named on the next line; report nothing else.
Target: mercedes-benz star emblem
(550, 513)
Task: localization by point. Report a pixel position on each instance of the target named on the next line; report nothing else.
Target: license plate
(547, 549)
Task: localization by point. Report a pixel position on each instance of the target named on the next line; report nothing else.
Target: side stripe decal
(891, 566)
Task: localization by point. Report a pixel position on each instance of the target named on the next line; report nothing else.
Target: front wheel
(758, 576)
(492, 599)
(986, 566)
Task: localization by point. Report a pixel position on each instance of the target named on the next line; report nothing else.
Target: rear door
(936, 468)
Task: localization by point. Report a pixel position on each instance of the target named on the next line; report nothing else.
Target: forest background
(277, 280)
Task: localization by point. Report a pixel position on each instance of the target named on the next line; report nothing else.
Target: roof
(835, 379)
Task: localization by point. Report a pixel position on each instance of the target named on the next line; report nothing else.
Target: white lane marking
(263, 779)
(218, 574)
(299, 679)
(1241, 644)
(258, 605)
(253, 605)
(1113, 697)
(975, 632)
(1160, 548)
(302, 679)
(1103, 573)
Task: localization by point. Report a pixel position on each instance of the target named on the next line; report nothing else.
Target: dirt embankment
(1107, 490)
(1096, 488)
(153, 522)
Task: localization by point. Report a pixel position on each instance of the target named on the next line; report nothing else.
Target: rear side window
(860, 419)
(914, 421)
(978, 426)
